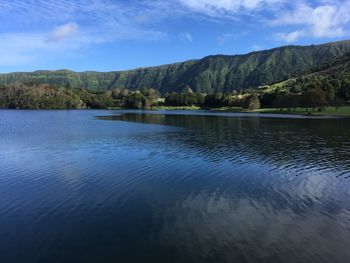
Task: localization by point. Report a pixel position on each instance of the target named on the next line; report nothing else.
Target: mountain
(212, 73)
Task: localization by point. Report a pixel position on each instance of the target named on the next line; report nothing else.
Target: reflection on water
(282, 143)
(173, 187)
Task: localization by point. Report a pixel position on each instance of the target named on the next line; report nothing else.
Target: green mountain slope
(212, 73)
(332, 77)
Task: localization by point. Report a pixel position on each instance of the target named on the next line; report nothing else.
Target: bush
(184, 99)
(135, 100)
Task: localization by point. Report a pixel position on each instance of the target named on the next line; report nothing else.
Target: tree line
(309, 99)
(44, 96)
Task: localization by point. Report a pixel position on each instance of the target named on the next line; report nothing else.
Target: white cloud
(328, 20)
(64, 32)
(317, 19)
(290, 37)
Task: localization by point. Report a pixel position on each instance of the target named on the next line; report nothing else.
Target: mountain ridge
(209, 74)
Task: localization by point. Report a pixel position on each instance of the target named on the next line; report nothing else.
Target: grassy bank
(176, 108)
(328, 111)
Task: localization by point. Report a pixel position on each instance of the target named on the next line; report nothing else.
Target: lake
(133, 186)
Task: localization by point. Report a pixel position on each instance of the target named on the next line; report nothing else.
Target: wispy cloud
(186, 37)
(223, 38)
(22, 48)
(63, 26)
(64, 32)
(257, 47)
(228, 8)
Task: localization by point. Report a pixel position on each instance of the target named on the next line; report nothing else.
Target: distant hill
(210, 74)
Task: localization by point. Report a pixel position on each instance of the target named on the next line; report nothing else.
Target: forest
(311, 94)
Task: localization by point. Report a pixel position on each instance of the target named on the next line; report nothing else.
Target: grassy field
(176, 108)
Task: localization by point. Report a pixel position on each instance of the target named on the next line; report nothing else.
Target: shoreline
(342, 112)
(329, 111)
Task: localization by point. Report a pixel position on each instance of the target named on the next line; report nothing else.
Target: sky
(109, 35)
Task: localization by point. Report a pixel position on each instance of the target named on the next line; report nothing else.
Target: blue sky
(107, 35)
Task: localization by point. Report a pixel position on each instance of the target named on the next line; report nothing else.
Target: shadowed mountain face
(213, 73)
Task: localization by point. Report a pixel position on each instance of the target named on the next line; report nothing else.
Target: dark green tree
(252, 102)
(315, 98)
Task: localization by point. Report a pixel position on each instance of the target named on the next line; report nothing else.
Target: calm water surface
(173, 187)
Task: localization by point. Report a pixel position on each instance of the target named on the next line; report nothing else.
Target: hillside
(332, 77)
(212, 73)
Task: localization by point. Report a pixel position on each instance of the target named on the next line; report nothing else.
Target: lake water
(173, 187)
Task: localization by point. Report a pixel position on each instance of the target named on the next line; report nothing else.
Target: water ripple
(173, 188)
